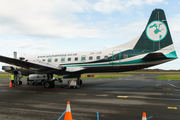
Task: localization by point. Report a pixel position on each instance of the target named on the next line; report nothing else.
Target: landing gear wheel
(33, 83)
(47, 84)
(27, 83)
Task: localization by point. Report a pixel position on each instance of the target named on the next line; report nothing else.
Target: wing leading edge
(33, 65)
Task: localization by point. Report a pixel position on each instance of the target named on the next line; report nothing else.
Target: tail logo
(156, 31)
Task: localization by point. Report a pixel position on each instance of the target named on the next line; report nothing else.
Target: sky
(32, 27)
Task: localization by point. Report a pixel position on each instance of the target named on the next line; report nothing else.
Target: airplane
(153, 47)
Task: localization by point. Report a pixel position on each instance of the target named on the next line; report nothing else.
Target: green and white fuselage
(153, 47)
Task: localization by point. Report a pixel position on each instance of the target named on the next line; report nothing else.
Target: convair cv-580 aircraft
(154, 46)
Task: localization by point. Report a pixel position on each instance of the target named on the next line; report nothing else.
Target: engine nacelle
(16, 70)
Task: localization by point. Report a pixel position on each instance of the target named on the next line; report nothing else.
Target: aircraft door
(116, 57)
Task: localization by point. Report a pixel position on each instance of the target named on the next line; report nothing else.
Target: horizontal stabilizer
(154, 56)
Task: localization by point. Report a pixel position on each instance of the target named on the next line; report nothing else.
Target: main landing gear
(71, 83)
(49, 84)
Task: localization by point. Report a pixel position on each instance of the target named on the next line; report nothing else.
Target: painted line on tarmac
(31, 91)
(4, 85)
(158, 85)
(4, 90)
(46, 92)
(173, 85)
(138, 97)
(17, 91)
(122, 96)
(81, 94)
(63, 93)
(168, 93)
(172, 108)
(101, 95)
(4, 81)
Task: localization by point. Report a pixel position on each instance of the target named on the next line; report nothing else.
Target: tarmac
(115, 99)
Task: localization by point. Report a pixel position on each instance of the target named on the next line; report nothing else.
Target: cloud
(41, 47)
(166, 3)
(58, 18)
(108, 6)
(44, 18)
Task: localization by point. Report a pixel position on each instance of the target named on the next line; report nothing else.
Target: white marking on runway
(102, 95)
(17, 91)
(81, 94)
(63, 93)
(158, 85)
(173, 85)
(4, 90)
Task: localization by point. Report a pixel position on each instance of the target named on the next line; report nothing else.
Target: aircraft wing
(33, 65)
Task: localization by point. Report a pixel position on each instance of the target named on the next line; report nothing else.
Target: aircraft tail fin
(156, 35)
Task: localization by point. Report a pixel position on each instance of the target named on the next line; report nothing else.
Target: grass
(104, 75)
(169, 77)
(176, 75)
(101, 75)
(5, 76)
(98, 76)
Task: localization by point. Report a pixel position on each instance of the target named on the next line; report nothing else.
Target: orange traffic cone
(10, 84)
(68, 115)
(144, 116)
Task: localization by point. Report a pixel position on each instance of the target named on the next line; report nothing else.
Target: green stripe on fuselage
(136, 61)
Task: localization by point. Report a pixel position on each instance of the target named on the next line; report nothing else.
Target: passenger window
(43, 59)
(83, 58)
(49, 59)
(69, 59)
(106, 57)
(126, 56)
(76, 58)
(62, 59)
(90, 58)
(55, 60)
(98, 57)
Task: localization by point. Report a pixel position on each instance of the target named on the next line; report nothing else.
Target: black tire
(47, 84)
(80, 82)
(27, 83)
(33, 83)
